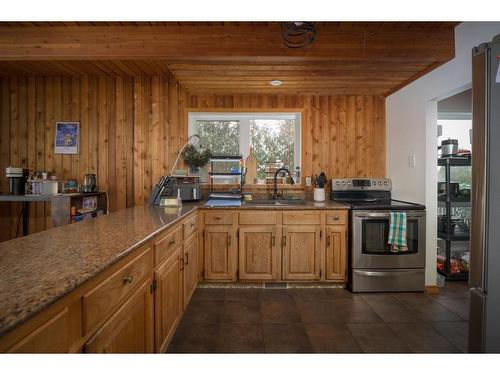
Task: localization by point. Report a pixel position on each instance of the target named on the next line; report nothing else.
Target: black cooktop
(380, 204)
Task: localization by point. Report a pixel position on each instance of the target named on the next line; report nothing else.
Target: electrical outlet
(411, 161)
(308, 181)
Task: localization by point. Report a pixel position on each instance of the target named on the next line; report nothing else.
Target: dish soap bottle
(296, 176)
(179, 199)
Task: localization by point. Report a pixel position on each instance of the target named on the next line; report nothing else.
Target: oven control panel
(349, 184)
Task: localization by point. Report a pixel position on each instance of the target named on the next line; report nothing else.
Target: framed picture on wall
(67, 139)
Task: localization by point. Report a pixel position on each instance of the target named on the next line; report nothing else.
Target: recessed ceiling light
(276, 82)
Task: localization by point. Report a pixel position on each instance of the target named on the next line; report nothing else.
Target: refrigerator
(484, 272)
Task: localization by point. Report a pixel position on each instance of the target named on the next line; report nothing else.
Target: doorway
(454, 186)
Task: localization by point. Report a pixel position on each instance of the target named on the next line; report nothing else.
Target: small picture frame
(67, 138)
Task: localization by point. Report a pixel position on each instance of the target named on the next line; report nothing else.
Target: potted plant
(195, 159)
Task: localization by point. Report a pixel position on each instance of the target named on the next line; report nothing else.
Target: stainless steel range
(373, 267)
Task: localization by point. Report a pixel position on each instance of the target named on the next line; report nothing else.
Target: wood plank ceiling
(355, 58)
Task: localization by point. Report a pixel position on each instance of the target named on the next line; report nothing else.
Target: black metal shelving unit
(235, 193)
(457, 235)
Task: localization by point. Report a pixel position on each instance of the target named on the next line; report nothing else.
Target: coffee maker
(17, 180)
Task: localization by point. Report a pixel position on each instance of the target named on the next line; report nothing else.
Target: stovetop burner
(369, 194)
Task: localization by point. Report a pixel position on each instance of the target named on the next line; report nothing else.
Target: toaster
(168, 186)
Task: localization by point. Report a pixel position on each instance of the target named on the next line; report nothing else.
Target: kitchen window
(273, 137)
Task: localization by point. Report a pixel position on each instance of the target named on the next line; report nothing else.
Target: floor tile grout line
(433, 302)
(443, 336)
(431, 325)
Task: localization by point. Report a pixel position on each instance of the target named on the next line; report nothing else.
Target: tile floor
(323, 321)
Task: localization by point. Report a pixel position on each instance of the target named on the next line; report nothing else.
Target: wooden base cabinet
(258, 256)
(190, 272)
(54, 335)
(301, 252)
(130, 329)
(220, 253)
(336, 252)
(168, 299)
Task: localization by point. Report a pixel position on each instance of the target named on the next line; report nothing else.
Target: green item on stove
(397, 231)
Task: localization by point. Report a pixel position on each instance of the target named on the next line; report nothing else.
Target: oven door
(370, 235)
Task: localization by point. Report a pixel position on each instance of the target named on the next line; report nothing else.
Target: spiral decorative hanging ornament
(298, 34)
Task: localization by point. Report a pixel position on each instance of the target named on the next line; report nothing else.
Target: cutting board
(251, 165)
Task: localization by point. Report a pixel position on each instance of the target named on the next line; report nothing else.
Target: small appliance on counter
(170, 187)
(17, 180)
(89, 183)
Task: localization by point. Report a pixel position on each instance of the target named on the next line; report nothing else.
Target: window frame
(244, 121)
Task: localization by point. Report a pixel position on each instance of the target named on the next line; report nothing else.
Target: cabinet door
(168, 299)
(130, 329)
(190, 267)
(301, 252)
(336, 252)
(258, 258)
(220, 253)
(54, 335)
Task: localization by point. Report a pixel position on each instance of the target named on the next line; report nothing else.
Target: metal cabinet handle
(284, 240)
(192, 225)
(218, 217)
(171, 242)
(128, 279)
(182, 263)
(273, 241)
(327, 240)
(186, 259)
(229, 240)
(336, 217)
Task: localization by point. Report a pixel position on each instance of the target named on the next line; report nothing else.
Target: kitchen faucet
(275, 192)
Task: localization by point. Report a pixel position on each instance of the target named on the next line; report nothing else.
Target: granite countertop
(39, 269)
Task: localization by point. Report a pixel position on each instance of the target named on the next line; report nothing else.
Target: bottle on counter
(296, 176)
(179, 199)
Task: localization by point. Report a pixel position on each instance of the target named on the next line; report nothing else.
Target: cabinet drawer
(166, 245)
(302, 217)
(219, 217)
(104, 297)
(190, 226)
(336, 217)
(258, 217)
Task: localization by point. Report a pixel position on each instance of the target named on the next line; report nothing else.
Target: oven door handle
(368, 215)
(384, 274)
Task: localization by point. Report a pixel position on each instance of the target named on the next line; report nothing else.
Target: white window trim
(244, 118)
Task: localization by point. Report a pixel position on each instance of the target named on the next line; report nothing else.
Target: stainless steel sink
(278, 202)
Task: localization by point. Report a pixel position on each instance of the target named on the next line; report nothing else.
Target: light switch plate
(411, 161)
(308, 181)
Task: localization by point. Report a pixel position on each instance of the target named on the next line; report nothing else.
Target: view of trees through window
(221, 137)
(272, 140)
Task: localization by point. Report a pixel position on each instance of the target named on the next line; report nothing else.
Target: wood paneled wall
(344, 136)
(131, 129)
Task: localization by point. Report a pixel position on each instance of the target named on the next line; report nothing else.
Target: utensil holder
(319, 194)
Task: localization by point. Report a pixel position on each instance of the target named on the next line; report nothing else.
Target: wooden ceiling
(375, 58)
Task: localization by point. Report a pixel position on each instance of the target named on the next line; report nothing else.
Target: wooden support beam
(242, 42)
